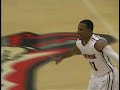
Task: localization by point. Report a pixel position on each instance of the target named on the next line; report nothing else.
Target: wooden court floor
(46, 16)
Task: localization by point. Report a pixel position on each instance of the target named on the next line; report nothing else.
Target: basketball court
(48, 16)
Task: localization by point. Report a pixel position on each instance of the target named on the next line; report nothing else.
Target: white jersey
(100, 63)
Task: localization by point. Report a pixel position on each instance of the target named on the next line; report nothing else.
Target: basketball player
(98, 53)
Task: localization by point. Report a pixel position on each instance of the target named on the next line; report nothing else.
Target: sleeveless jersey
(100, 63)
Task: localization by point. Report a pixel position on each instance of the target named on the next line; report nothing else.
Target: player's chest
(89, 48)
(89, 52)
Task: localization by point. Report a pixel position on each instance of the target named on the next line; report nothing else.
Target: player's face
(83, 31)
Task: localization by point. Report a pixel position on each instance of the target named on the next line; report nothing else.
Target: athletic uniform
(104, 75)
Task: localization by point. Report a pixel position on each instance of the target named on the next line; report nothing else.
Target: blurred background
(48, 16)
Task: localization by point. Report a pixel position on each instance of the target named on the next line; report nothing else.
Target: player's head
(88, 24)
(85, 28)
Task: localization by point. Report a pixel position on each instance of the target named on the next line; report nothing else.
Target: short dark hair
(89, 24)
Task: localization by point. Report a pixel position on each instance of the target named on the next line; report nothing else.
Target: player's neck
(86, 40)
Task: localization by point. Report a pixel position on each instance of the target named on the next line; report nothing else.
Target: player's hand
(57, 59)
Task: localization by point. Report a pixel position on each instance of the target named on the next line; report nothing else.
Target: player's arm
(71, 52)
(102, 46)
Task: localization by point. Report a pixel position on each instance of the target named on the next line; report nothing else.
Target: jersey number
(93, 66)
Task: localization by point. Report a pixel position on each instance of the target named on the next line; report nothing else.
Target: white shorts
(109, 81)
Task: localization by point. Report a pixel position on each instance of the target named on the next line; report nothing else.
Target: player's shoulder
(97, 38)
